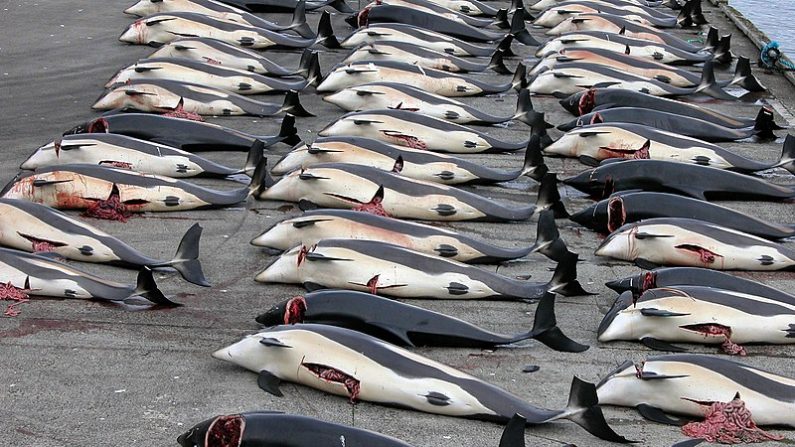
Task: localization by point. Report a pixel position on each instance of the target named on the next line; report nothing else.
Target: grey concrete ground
(89, 374)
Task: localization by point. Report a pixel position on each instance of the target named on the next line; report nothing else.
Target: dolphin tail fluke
(497, 64)
(519, 80)
(505, 46)
(549, 196)
(534, 166)
(501, 19)
(146, 287)
(787, 160)
(722, 52)
(186, 261)
(548, 241)
(745, 78)
(765, 123)
(584, 410)
(564, 280)
(709, 86)
(299, 24)
(519, 29)
(546, 330)
(513, 433)
(325, 33)
(292, 105)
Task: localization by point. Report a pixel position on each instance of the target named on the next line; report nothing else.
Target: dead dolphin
(360, 367)
(423, 57)
(101, 189)
(418, 131)
(610, 214)
(683, 383)
(694, 243)
(159, 95)
(413, 163)
(226, 55)
(698, 314)
(597, 142)
(37, 228)
(123, 152)
(212, 76)
(695, 276)
(223, 11)
(395, 95)
(392, 270)
(258, 428)
(185, 134)
(32, 274)
(691, 180)
(340, 185)
(407, 325)
(314, 226)
(440, 82)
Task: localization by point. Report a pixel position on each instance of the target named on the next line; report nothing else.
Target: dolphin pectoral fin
(588, 161)
(269, 383)
(657, 415)
(513, 434)
(646, 264)
(651, 312)
(659, 345)
(437, 399)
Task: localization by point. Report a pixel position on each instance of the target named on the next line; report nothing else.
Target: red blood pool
(226, 431)
(334, 375)
(9, 292)
(728, 423)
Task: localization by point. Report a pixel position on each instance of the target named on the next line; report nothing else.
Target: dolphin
(696, 181)
(314, 226)
(222, 11)
(638, 47)
(407, 325)
(418, 36)
(698, 314)
(159, 95)
(360, 367)
(599, 99)
(185, 134)
(231, 56)
(413, 163)
(210, 75)
(392, 270)
(271, 6)
(32, 274)
(433, 22)
(682, 125)
(417, 131)
(683, 383)
(120, 151)
(439, 82)
(694, 243)
(259, 428)
(340, 185)
(596, 142)
(395, 95)
(161, 28)
(571, 77)
(116, 193)
(610, 214)
(423, 57)
(37, 228)
(694, 276)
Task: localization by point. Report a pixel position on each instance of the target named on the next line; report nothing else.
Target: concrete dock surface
(84, 373)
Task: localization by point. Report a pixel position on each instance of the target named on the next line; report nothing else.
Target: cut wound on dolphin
(728, 423)
(225, 431)
(714, 330)
(330, 374)
(706, 256)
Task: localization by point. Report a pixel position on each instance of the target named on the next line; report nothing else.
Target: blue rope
(771, 55)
